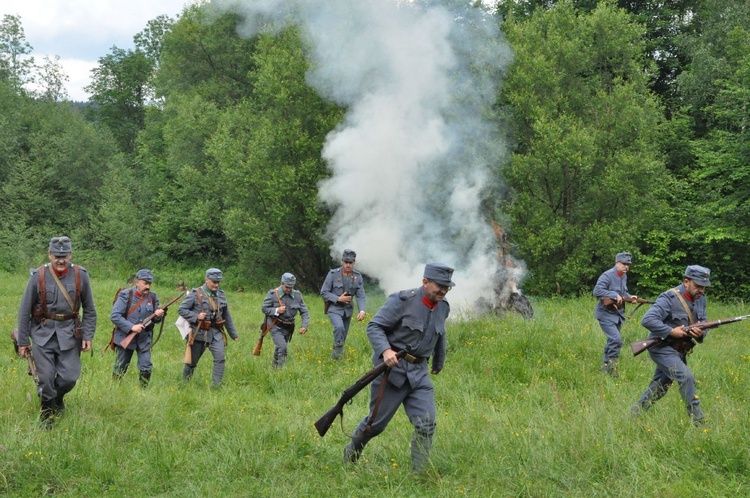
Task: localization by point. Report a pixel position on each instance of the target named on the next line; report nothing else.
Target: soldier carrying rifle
(672, 319)
(49, 324)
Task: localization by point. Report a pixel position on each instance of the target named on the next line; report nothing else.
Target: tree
(16, 64)
(587, 167)
(120, 89)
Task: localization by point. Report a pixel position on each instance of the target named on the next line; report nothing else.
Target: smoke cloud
(414, 156)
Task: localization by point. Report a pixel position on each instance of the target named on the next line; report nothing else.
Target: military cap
(214, 274)
(145, 275)
(288, 279)
(60, 246)
(624, 257)
(349, 256)
(439, 273)
(698, 274)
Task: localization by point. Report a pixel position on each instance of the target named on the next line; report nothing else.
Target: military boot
(47, 414)
(279, 359)
(353, 449)
(144, 378)
(611, 368)
(59, 407)
(421, 443)
(697, 416)
(187, 372)
(337, 352)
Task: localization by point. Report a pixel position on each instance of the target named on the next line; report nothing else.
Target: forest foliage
(627, 123)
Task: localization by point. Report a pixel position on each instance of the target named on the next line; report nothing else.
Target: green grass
(523, 410)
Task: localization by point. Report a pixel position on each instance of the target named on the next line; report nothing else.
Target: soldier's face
(142, 287)
(212, 285)
(622, 267)
(695, 290)
(59, 263)
(434, 291)
(348, 265)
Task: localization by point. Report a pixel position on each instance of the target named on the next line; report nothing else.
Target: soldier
(613, 284)
(280, 306)
(49, 323)
(207, 311)
(413, 320)
(131, 307)
(670, 319)
(341, 285)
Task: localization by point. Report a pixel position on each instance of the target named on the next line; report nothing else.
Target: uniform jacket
(610, 285)
(405, 322)
(124, 324)
(337, 283)
(667, 313)
(41, 332)
(293, 302)
(191, 307)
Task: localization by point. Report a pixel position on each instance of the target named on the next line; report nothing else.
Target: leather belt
(60, 318)
(414, 359)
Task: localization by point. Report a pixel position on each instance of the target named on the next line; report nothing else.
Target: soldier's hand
(202, 315)
(694, 332)
(361, 316)
(23, 351)
(619, 299)
(85, 346)
(159, 312)
(389, 357)
(137, 328)
(343, 298)
(302, 330)
(281, 309)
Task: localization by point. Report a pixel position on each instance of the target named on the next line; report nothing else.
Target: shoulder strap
(136, 305)
(65, 291)
(43, 297)
(684, 305)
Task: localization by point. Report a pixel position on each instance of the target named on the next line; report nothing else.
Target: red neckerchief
(619, 273)
(429, 303)
(688, 296)
(347, 273)
(60, 273)
(137, 294)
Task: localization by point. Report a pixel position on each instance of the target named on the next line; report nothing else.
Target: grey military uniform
(610, 284)
(405, 322)
(124, 322)
(671, 355)
(337, 282)
(211, 334)
(56, 347)
(283, 324)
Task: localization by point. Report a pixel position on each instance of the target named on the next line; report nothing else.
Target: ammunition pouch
(37, 314)
(208, 324)
(684, 347)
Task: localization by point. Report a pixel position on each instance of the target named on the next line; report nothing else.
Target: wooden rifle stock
(639, 347)
(324, 423)
(264, 328)
(146, 322)
(30, 360)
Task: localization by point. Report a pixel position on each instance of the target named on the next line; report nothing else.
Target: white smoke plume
(414, 155)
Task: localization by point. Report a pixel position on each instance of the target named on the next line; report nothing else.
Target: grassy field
(523, 410)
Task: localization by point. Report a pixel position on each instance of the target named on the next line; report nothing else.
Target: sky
(83, 31)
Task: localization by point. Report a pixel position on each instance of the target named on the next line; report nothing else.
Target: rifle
(264, 328)
(639, 347)
(30, 359)
(612, 303)
(147, 321)
(324, 423)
